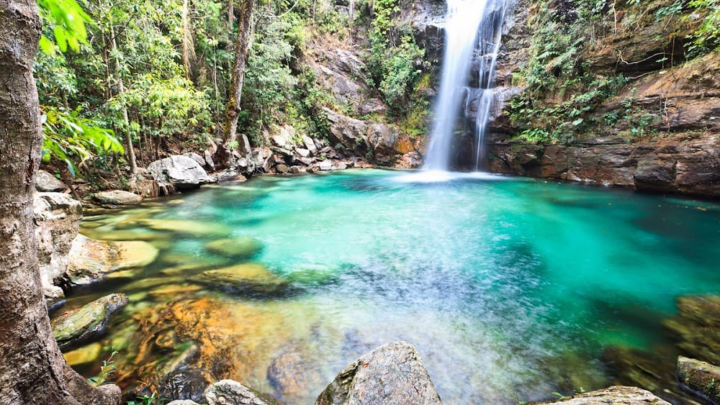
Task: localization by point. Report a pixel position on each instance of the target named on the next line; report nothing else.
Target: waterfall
(472, 33)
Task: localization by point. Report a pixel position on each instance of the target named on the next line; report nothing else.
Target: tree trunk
(32, 369)
(242, 50)
(231, 13)
(188, 49)
(126, 120)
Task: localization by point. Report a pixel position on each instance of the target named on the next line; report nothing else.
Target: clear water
(510, 288)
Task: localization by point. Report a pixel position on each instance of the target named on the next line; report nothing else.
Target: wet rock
(699, 377)
(184, 384)
(117, 197)
(90, 259)
(312, 275)
(390, 374)
(46, 182)
(88, 322)
(84, 355)
(243, 278)
(187, 227)
(617, 395)
(57, 219)
(697, 327)
(180, 172)
(242, 247)
(229, 392)
(288, 374)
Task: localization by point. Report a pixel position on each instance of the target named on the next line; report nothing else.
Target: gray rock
(57, 220)
(341, 166)
(325, 165)
(282, 169)
(209, 160)
(348, 132)
(390, 374)
(309, 144)
(88, 322)
(302, 152)
(617, 395)
(117, 197)
(183, 402)
(194, 156)
(46, 182)
(699, 377)
(180, 172)
(229, 392)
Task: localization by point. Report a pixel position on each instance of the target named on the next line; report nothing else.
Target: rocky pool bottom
(511, 289)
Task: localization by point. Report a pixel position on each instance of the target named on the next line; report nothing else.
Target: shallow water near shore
(510, 288)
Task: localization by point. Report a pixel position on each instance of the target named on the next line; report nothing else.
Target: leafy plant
(106, 371)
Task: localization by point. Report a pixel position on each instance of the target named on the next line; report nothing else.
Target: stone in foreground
(229, 392)
(699, 377)
(390, 374)
(118, 197)
(87, 323)
(91, 259)
(183, 402)
(617, 395)
(180, 172)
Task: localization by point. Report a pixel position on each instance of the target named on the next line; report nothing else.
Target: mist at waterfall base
(509, 288)
(472, 37)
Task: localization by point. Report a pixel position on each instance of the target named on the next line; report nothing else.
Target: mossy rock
(699, 377)
(84, 355)
(88, 322)
(243, 278)
(243, 247)
(315, 275)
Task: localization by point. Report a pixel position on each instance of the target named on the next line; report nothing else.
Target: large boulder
(91, 259)
(699, 377)
(390, 374)
(57, 219)
(180, 172)
(617, 395)
(46, 182)
(88, 322)
(229, 392)
(348, 132)
(117, 197)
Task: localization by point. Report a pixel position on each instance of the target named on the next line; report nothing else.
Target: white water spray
(470, 25)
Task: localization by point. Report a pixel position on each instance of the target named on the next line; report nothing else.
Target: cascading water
(471, 25)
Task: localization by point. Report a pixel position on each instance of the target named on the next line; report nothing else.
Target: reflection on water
(510, 288)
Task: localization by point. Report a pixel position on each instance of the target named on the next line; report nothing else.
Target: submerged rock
(84, 355)
(696, 327)
(118, 197)
(229, 392)
(88, 322)
(699, 377)
(617, 395)
(46, 182)
(241, 247)
(390, 374)
(187, 227)
(91, 259)
(180, 172)
(247, 277)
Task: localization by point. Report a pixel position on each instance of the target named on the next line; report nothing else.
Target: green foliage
(106, 372)
(706, 38)
(147, 400)
(67, 20)
(395, 60)
(70, 138)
